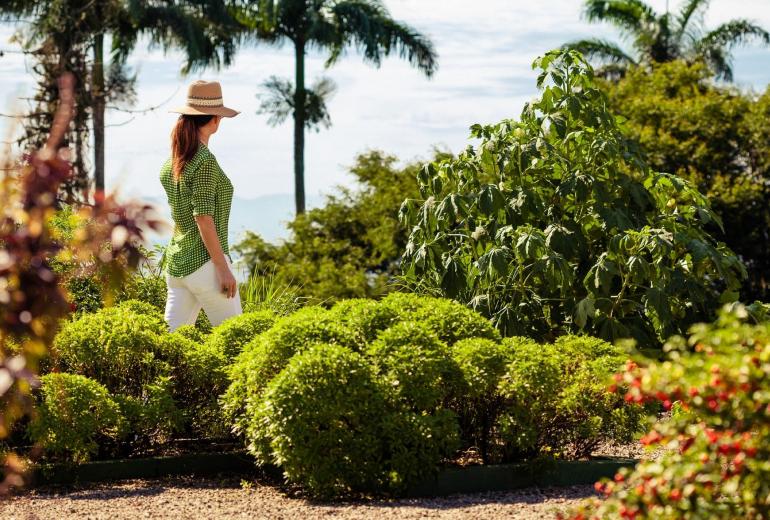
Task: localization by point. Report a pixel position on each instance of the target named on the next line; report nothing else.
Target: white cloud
(485, 47)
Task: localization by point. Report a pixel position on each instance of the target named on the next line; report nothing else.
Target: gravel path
(183, 498)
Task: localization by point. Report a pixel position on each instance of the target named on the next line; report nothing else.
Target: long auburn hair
(185, 141)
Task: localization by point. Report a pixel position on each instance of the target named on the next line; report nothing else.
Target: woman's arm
(211, 241)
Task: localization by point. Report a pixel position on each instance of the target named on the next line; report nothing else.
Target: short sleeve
(204, 186)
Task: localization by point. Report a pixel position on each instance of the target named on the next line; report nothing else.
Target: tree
(62, 34)
(333, 26)
(554, 223)
(351, 246)
(664, 37)
(715, 137)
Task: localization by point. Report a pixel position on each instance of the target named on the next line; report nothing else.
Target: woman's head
(186, 137)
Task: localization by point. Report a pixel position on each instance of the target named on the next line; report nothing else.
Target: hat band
(204, 102)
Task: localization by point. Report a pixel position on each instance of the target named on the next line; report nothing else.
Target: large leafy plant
(555, 222)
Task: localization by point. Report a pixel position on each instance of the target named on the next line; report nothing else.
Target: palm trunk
(97, 92)
(299, 127)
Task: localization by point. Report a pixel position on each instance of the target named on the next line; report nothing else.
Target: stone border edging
(471, 479)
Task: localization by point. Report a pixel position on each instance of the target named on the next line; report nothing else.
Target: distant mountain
(266, 215)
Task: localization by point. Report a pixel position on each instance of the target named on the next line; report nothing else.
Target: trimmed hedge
(233, 334)
(75, 416)
(333, 429)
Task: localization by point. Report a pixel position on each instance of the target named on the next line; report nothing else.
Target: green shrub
(557, 401)
(119, 347)
(141, 307)
(192, 333)
(416, 365)
(74, 416)
(233, 334)
(555, 222)
(332, 428)
(268, 354)
(199, 378)
(366, 317)
(714, 448)
(84, 293)
(152, 418)
(483, 363)
(149, 287)
(450, 320)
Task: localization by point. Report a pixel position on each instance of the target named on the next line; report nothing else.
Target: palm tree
(203, 29)
(659, 38)
(333, 26)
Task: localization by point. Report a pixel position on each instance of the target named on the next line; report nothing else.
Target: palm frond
(690, 9)
(735, 32)
(630, 15)
(277, 101)
(368, 26)
(603, 50)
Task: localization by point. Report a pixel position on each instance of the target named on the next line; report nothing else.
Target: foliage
(665, 37)
(192, 333)
(198, 377)
(231, 336)
(482, 363)
(116, 346)
(450, 320)
(366, 317)
(263, 291)
(332, 429)
(713, 462)
(31, 298)
(267, 354)
(152, 417)
(416, 365)
(349, 247)
(555, 223)
(332, 26)
(557, 402)
(717, 138)
(75, 415)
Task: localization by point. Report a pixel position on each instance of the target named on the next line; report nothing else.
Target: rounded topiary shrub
(416, 364)
(450, 320)
(120, 347)
(192, 333)
(233, 334)
(483, 363)
(268, 354)
(74, 416)
(331, 427)
(366, 317)
(199, 377)
(141, 307)
(557, 402)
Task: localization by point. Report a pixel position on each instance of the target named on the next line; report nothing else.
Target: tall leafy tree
(664, 37)
(331, 26)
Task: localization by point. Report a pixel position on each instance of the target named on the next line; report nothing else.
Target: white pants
(201, 289)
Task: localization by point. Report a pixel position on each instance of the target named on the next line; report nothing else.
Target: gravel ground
(183, 498)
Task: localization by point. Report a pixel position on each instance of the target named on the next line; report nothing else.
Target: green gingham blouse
(204, 189)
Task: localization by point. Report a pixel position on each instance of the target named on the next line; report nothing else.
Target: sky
(485, 52)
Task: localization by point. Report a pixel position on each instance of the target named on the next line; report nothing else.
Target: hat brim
(205, 111)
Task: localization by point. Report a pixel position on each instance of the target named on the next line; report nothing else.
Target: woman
(197, 264)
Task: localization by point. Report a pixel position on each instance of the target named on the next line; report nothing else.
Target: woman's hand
(226, 281)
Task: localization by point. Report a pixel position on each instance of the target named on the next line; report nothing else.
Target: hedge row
(364, 397)
(372, 396)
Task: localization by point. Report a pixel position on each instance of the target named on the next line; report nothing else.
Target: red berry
(675, 494)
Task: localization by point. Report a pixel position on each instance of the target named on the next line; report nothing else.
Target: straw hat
(204, 98)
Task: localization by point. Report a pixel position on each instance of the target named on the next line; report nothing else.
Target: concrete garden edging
(448, 481)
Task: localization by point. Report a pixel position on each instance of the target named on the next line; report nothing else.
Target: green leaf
(585, 309)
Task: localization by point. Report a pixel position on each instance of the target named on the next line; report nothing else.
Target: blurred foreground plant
(31, 298)
(715, 446)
